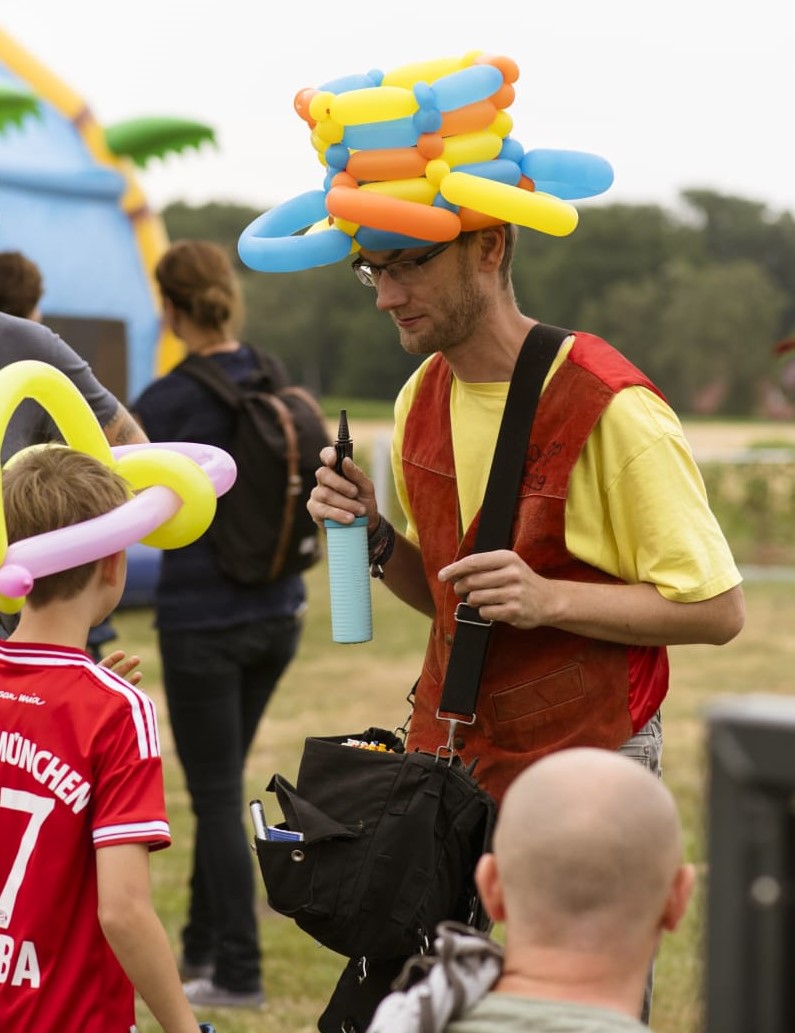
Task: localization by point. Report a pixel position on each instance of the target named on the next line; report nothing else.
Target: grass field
(337, 688)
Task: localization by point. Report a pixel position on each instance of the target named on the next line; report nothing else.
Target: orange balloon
(469, 119)
(387, 163)
(472, 220)
(508, 67)
(430, 145)
(301, 105)
(504, 96)
(393, 214)
(344, 179)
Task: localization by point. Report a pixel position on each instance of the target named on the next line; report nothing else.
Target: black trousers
(218, 683)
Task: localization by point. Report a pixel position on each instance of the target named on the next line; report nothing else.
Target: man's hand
(339, 498)
(502, 587)
(123, 665)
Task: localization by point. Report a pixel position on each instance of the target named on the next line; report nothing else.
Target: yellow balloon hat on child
(174, 486)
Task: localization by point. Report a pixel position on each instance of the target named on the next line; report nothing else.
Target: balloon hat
(174, 486)
(415, 157)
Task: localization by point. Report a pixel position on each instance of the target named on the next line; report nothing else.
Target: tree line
(696, 298)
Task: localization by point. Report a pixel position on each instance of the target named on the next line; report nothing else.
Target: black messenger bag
(389, 848)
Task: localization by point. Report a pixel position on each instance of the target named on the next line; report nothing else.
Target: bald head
(587, 845)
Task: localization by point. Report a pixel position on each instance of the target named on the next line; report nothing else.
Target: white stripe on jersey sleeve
(142, 710)
(137, 830)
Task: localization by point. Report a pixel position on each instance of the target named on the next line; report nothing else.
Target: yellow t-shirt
(637, 507)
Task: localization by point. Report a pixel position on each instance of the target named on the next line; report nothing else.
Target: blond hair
(50, 487)
(197, 277)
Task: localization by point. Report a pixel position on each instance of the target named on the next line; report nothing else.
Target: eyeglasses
(402, 270)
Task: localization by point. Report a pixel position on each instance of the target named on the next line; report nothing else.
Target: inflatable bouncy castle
(70, 201)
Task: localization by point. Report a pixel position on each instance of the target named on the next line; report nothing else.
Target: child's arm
(137, 937)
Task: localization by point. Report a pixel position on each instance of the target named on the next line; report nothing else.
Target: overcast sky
(688, 93)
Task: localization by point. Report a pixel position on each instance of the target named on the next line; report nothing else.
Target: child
(81, 788)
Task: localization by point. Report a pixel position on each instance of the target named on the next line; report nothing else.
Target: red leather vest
(543, 689)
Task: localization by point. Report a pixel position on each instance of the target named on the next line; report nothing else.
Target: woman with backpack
(224, 644)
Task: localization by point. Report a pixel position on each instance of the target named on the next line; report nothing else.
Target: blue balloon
(512, 150)
(346, 83)
(568, 174)
(396, 132)
(498, 170)
(427, 120)
(466, 86)
(441, 202)
(337, 156)
(267, 244)
(381, 240)
(424, 95)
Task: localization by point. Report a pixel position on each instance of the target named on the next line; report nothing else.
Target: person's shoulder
(16, 332)
(128, 704)
(512, 1013)
(68, 667)
(639, 407)
(165, 388)
(248, 360)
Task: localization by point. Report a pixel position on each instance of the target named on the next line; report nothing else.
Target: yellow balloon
(417, 189)
(161, 467)
(502, 124)
(435, 171)
(426, 71)
(351, 228)
(56, 393)
(373, 104)
(144, 468)
(11, 606)
(320, 104)
(467, 148)
(329, 130)
(320, 145)
(536, 210)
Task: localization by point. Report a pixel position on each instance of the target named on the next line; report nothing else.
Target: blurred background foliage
(696, 298)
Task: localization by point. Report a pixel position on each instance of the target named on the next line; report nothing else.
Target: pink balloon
(104, 535)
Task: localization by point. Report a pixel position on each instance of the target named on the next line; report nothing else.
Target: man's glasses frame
(401, 270)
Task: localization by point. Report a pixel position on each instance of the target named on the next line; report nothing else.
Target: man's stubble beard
(455, 317)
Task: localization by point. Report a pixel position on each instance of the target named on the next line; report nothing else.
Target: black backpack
(262, 530)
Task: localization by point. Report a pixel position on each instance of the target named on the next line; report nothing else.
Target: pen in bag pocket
(272, 833)
(258, 818)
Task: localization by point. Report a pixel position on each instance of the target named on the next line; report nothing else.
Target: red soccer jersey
(80, 770)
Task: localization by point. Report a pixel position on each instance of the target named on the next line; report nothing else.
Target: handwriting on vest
(534, 477)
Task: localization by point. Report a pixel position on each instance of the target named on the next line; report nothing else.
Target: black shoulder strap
(213, 377)
(269, 377)
(468, 653)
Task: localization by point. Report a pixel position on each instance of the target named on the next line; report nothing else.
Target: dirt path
(726, 437)
(706, 438)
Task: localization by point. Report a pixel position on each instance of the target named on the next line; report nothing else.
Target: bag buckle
(449, 746)
(465, 614)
